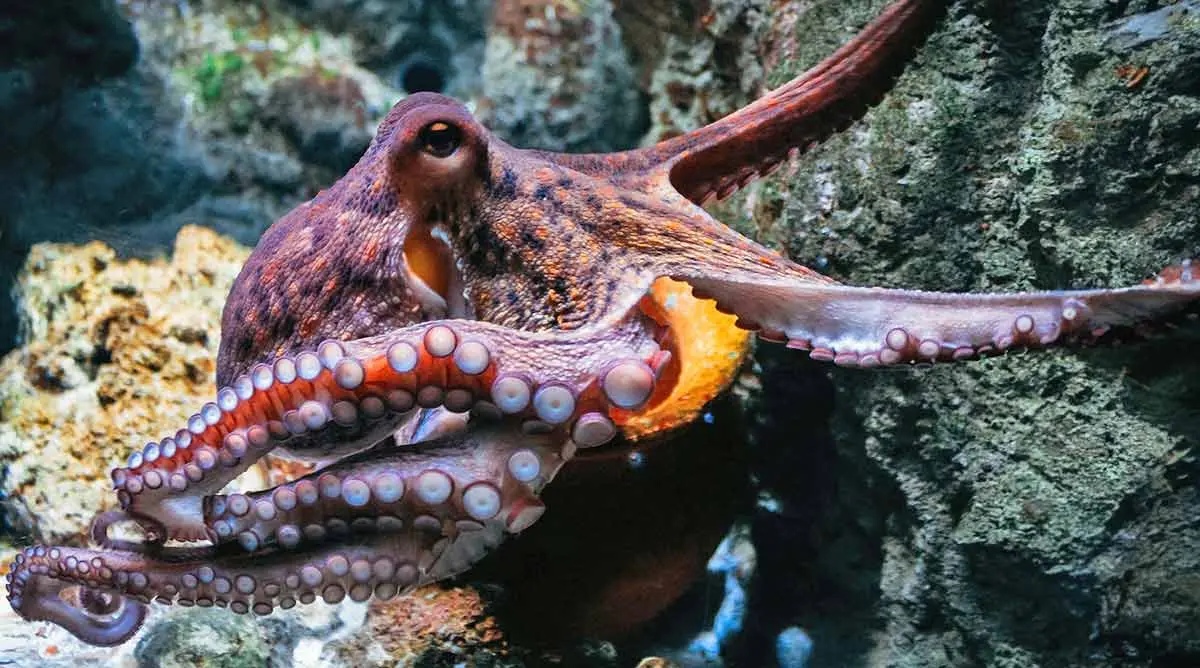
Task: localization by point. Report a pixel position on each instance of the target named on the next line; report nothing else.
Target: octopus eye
(440, 139)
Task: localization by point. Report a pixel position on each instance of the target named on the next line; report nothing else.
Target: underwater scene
(600, 333)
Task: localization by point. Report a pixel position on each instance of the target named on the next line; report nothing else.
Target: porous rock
(1025, 510)
(557, 76)
(118, 351)
(204, 637)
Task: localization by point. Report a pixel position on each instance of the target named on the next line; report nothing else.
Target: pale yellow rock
(116, 353)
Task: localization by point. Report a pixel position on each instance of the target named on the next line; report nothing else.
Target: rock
(324, 115)
(556, 76)
(1024, 510)
(52, 50)
(65, 41)
(434, 626)
(209, 637)
(126, 123)
(118, 351)
(412, 45)
(698, 60)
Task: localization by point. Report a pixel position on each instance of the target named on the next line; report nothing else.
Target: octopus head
(369, 254)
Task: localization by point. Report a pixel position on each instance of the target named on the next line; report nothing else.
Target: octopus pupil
(440, 139)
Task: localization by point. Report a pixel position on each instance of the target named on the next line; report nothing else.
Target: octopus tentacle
(867, 327)
(482, 486)
(723, 156)
(128, 581)
(345, 397)
(38, 592)
(464, 483)
(153, 532)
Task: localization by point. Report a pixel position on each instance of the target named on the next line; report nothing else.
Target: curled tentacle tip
(95, 617)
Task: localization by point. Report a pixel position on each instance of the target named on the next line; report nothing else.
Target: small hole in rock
(422, 75)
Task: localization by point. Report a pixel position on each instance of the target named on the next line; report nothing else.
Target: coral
(432, 621)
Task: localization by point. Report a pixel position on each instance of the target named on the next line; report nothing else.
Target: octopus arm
(95, 616)
(723, 156)
(380, 520)
(377, 524)
(868, 327)
(344, 397)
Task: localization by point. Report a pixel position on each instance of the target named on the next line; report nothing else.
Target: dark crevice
(422, 75)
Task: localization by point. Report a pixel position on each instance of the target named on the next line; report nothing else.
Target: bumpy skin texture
(449, 272)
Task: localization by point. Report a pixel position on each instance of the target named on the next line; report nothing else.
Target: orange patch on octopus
(270, 272)
(331, 286)
(310, 325)
(706, 349)
(370, 250)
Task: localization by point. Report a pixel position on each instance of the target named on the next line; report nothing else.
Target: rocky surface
(556, 76)
(128, 120)
(119, 351)
(411, 45)
(1026, 510)
(51, 50)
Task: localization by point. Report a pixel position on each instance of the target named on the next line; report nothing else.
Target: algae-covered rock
(1026, 510)
(209, 638)
(556, 76)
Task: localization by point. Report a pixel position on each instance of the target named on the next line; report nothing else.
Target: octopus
(456, 322)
